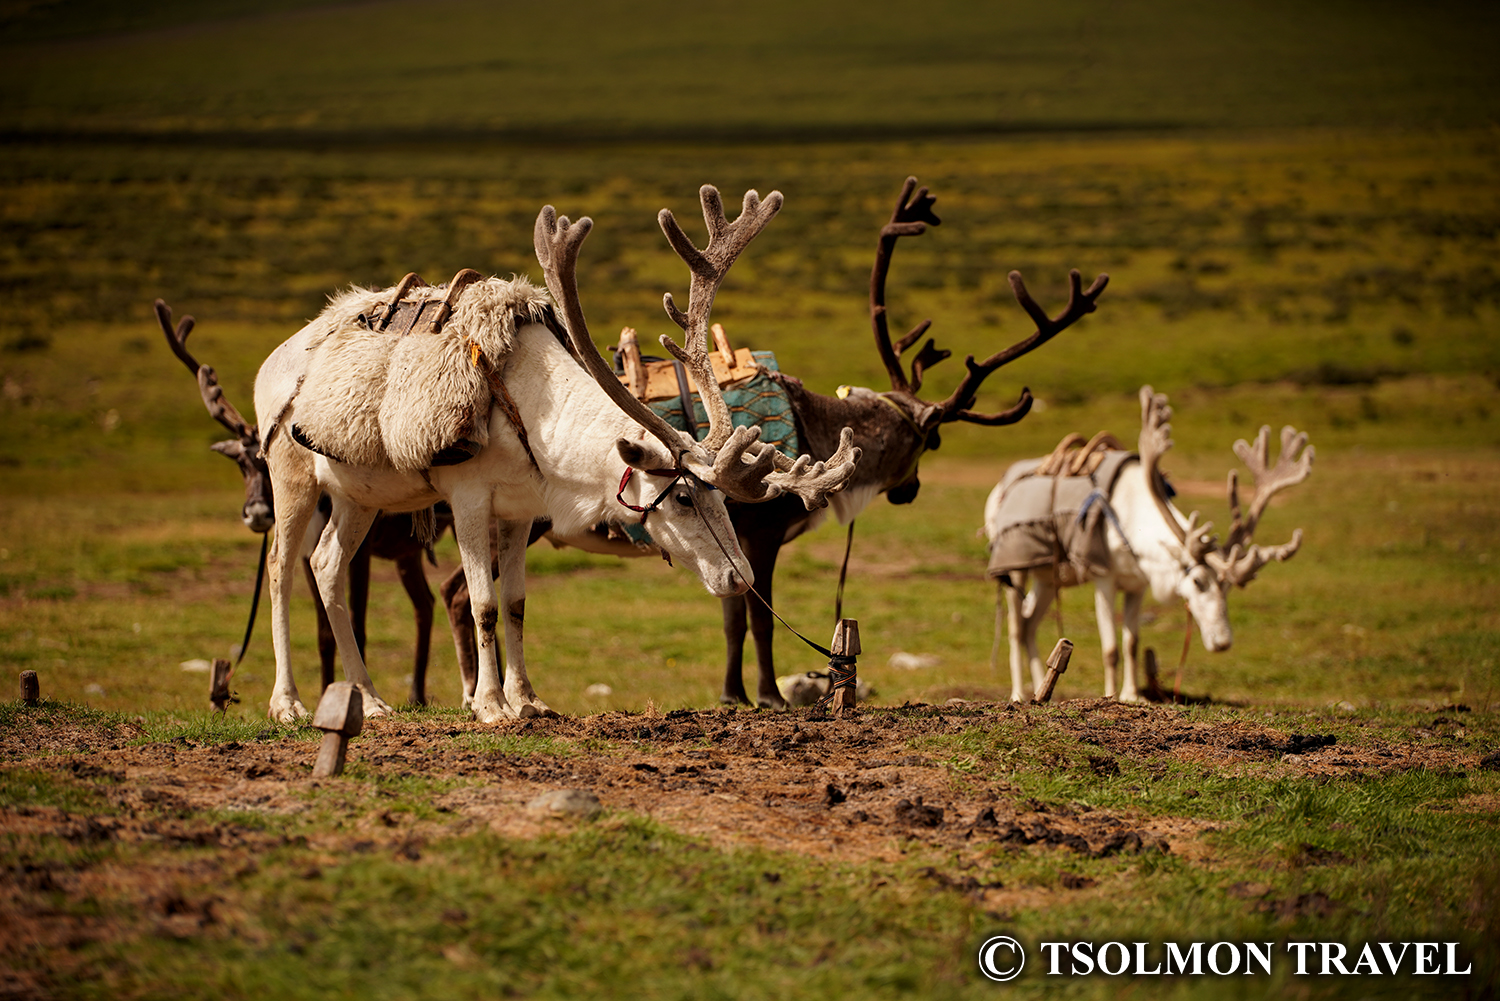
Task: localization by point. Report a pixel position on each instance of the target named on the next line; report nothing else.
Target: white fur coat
(380, 399)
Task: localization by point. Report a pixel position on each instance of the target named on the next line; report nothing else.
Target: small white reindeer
(553, 445)
(1138, 540)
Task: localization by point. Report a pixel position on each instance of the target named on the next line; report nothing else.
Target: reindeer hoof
(490, 712)
(535, 709)
(287, 710)
(374, 704)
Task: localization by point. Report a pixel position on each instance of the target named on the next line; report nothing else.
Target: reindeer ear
(640, 455)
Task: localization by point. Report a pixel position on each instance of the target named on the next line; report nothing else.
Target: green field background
(1298, 204)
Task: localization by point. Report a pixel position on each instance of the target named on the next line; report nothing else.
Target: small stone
(903, 661)
(1490, 762)
(567, 803)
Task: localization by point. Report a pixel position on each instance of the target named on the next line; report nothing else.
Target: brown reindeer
(892, 430)
(390, 538)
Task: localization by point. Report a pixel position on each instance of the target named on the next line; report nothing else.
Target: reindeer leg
(297, 502)
(1104, 614)
(734, 650)
(330, 561)
(414, 578)
(471, 526)
(521, 700)
(359, 591)
(455, 592)
(1037, 602)
(1016, 626)
(327, 648)
(761, 552)
(1132, 630)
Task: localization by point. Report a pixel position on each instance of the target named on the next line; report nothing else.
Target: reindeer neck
(889, 442)
(1153, 548)
(571, 426)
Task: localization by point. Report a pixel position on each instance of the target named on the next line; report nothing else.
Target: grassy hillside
(1298, 205)
(402, 68)
(1323, 259)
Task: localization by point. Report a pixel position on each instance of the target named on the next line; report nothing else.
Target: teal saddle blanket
(759, 401)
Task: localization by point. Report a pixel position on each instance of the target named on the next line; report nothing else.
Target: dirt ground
(850, 789)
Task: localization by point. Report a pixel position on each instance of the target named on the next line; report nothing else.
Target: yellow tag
(843, 392)
(473, 354)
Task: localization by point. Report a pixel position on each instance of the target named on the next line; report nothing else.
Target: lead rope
(260, 576)
(838, 601)
(839, 673)
(1187, 642)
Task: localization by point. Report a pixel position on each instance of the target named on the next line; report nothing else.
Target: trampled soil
(852, 789)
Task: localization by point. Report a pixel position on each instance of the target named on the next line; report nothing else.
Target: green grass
(578, 915)
(1298, 208)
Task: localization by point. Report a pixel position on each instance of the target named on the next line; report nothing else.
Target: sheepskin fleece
(380, 399)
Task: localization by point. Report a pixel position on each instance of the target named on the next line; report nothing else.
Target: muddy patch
(874, 786)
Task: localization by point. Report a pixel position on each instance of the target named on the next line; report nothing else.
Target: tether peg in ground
(1057, 663)
(31, 688)
(219, 695)
(340, 715)
(842, 669)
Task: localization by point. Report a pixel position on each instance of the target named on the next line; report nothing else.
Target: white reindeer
(553, 446)
(1147, 541)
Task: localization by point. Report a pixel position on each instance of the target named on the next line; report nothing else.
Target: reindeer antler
(1290, 470)
(910, 218)
(557, 241)
(1080, 303)
(1155, 441)
(1241, 559)
(709, 266)
(1234, 567)
(735, 459)
(219, 408)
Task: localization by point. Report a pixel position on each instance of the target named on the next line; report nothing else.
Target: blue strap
(1098, 496)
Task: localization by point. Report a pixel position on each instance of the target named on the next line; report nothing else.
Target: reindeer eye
(684, 499)
(1200, 584)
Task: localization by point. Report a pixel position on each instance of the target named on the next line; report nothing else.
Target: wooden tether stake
(218, 689)
(31, 688)
(340, 715)
(1153, 678)
(1057, 663)
(842, 669)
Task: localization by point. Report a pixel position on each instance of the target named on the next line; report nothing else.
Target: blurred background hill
(288, 70)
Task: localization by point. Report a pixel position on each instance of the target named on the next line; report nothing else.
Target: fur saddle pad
(1056, 520)
(398, 395)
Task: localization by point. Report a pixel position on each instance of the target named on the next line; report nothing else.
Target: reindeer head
(1211, 568)
(911, 217)
(729, 461)
(258, 513)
